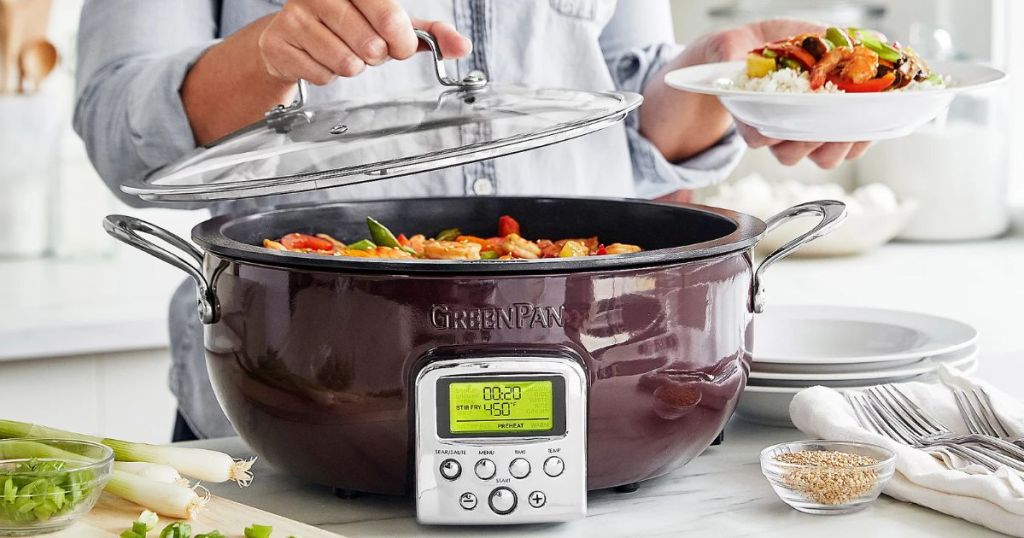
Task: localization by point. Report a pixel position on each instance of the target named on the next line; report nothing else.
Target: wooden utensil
(21, 21)
(112, 515)
(36, 62)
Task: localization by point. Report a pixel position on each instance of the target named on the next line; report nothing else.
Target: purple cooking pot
(313, 357)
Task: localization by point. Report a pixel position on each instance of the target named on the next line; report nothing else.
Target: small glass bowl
(48, 484)
(817, 489)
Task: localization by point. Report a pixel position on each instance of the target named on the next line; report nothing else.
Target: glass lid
(303, 147)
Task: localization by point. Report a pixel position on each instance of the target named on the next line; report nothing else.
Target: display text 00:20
(502, 393)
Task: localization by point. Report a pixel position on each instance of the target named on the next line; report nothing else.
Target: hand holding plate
(734, 44)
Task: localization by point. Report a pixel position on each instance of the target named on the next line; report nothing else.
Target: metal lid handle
(472, 81)
(832, 214)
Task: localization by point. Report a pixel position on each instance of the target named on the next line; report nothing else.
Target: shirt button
(483, 187)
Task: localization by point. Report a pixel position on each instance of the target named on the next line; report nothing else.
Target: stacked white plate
(796, 347)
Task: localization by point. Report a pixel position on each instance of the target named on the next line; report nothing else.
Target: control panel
(501, 441)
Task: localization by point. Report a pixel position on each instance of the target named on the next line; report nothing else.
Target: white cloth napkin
(995, 500)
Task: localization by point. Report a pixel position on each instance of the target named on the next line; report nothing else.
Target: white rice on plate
(793, 81)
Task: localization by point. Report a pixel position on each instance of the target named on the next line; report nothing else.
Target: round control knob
(485, 469)
(450, 469)
(519, 468)
(502, 501)
(467, 500)
(554, 466)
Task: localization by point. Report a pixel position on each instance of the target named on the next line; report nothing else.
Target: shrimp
(378, 252)
(621, 248)
(858, 64)
(416, 243)
(515, 245)
(390, 252)
(450, 250)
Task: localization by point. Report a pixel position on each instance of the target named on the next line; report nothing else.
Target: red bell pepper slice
(871, 86)
(796, 52)
(304, 242)
(507, 225)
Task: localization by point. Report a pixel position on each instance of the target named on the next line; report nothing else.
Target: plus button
(537, 499)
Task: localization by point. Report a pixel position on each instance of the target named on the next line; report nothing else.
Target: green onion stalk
(66, 490)
(200, 464)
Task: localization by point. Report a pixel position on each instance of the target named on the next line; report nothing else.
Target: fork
(930, 430)
(976, 409)
(882, 421)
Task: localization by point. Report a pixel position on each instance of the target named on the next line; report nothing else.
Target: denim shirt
(133, 57)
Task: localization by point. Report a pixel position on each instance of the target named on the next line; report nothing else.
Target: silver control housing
(471, 500)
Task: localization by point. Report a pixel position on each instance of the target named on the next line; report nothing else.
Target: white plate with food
(770, 405)
(809, 88)
(825, 334)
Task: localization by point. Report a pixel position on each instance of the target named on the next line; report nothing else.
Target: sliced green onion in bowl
(47, 484)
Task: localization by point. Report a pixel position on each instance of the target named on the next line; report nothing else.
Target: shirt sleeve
(636, 44)
(132, 59)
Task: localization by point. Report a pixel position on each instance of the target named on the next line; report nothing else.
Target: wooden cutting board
(112, 515)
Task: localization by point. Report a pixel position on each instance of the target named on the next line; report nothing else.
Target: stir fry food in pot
(853, 60)
(450, 244)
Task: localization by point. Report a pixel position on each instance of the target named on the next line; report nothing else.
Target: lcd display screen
(482, 407)
(500, 406)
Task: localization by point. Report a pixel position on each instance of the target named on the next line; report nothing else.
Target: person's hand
(734, 44)
(319, 40)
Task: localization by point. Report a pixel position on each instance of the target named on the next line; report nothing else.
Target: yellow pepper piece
(758, 66)
(573, 248)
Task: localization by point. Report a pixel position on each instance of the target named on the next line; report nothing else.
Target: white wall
(82, 198)
(120, 395)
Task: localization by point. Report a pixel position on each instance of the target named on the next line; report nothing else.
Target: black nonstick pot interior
(666, 232)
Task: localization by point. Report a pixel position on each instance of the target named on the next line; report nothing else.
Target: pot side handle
(832, 214)
(128, 229)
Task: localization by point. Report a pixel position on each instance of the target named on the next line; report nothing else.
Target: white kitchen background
(82, 327)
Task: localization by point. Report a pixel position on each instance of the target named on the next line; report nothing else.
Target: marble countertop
(720, 493)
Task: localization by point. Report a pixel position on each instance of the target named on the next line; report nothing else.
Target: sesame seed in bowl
(827, 477)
